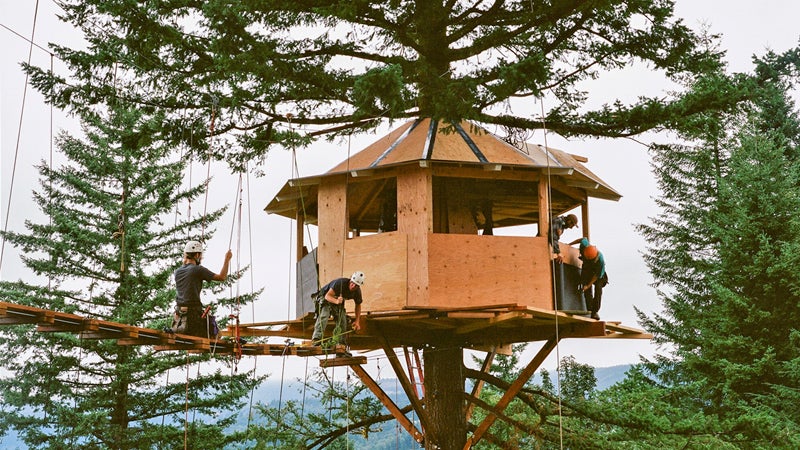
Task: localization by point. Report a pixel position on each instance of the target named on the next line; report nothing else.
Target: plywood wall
(333, 226)
(415, 220)
(382, 258)
(485, 270)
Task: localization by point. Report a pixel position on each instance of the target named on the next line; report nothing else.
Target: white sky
(747, 27)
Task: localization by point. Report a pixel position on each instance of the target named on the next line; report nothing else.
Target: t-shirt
(341, 288)
(597, 267)
(189, 282)
(557, 226)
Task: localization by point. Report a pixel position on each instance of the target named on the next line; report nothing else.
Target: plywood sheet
(332, 226)
(484, 270)
(382, 258)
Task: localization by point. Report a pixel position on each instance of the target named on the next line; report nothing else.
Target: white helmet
(193, 247)
(358, 278)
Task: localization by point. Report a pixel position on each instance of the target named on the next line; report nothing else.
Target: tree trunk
(444, 398)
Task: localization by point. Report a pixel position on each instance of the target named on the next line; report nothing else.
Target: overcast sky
(748, 28)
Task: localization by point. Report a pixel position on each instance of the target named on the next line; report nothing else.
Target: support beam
(476, 390)
(405, 383)
(585, 219)
(516, 386)
(388, 403)
(300, 240)
(544, 207)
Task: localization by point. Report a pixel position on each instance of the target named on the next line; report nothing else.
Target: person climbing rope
(330, 302)
(190, 317)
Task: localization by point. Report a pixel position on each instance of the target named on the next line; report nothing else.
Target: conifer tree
(108, 251)
(724, 253)
(340, 66)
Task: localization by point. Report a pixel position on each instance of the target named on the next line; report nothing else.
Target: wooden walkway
(48, 321)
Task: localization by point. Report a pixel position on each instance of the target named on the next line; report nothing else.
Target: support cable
(19, 136)
(552, 272)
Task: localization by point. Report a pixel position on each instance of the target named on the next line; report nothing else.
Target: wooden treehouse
(422, 212)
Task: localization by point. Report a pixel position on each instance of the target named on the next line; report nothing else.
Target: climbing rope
(552, 272)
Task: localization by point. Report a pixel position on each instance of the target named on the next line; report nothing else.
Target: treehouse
(422, 211)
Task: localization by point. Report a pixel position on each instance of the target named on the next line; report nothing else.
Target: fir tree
(342, 65)
(108, 252)
(724, 253)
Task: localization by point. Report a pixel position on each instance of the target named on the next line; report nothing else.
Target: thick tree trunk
(444, 398)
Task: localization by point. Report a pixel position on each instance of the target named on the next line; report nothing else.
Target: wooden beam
(489, 322)
(352, 361)
(476, 390)
(585, 219)
(544, 207)
(300, 240)
(404, 382)
(68, 327)
(509, 395)
(388, 403)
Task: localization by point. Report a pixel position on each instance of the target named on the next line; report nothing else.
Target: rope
(186, 408)
(19, 135)
(236, 309)
(252, 303)
(552, 271)
(208, 166)
(50, 173)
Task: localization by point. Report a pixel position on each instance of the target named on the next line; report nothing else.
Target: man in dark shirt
(188, 283)
(330, 302)
(557, 227)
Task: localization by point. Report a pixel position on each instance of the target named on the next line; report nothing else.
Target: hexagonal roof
(426, 141)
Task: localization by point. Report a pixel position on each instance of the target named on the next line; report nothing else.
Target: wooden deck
(47, 321)
(474, 327)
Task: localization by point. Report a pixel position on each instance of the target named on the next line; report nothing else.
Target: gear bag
(191, 321)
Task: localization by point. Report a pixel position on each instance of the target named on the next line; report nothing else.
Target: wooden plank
(58, 326)
(415, 219)
(333, 226)
(478, 325)
(478, 172)
(383, 259)
(480, 270)
(352, 361)
(381, 395)
(13, 314)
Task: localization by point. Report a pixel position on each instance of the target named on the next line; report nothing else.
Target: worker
(557, 227)
(330, 303)
(189, 313)
(593, 276)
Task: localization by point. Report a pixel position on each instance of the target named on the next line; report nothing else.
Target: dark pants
(594, 294)
(326, 310)
(190, 320)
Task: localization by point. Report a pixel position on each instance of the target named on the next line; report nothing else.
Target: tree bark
(444, 398)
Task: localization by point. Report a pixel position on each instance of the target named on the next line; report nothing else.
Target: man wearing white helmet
(330, 302)
(188, 283)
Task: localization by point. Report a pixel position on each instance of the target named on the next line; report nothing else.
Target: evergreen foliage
(724, 254)
(346, 416)
(108, 252)
(341, 66)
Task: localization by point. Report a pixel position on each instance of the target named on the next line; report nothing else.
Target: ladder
(419, 386)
